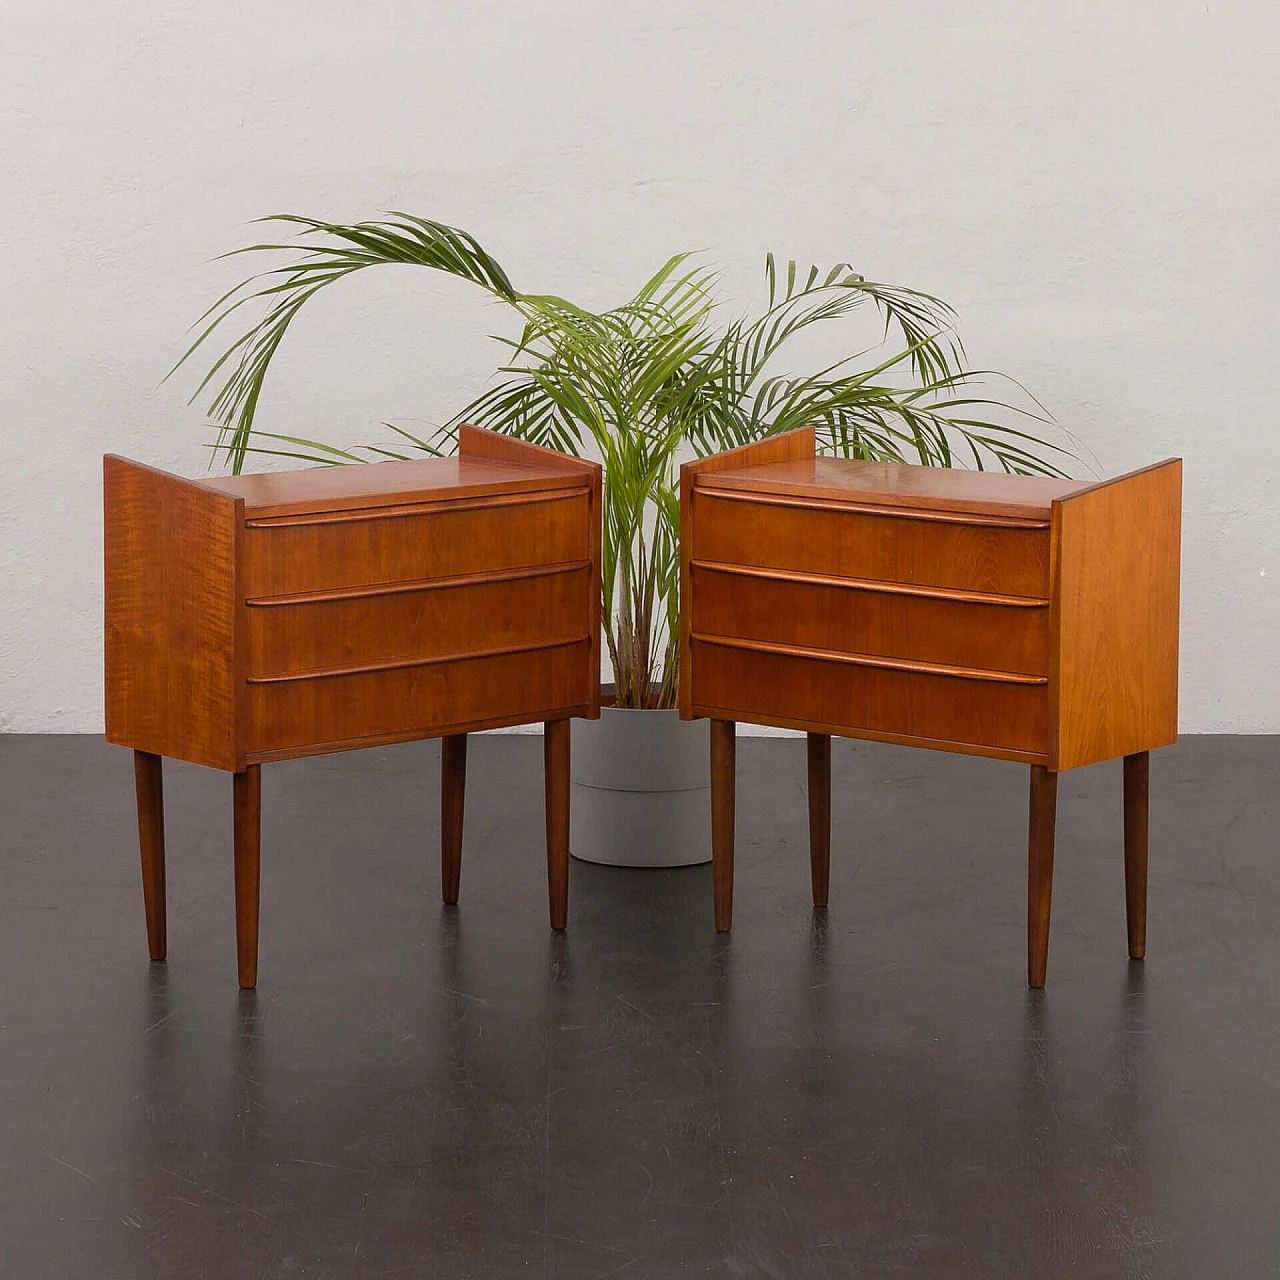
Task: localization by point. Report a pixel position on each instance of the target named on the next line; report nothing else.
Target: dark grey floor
(412, 1091)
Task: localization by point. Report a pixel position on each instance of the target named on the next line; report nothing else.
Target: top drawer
(330, 551)
(930, 548)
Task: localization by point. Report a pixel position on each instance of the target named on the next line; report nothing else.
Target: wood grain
(880, 662)
(818, 749)
(1016, 617)
(877, 586)
(719, 487)
(790, 444)
(807, 614)
(149, 781)
(555, 750)
(477, 442)
(934, 489)
(1115, 617)
(402, 624)
(1137, 780)
(171, 615)
(423, 700)
(709, 711)
(385, 484)
(723, 819)
(595, 554)
(884, 547)
(1040, 840)
(865, 701)
(443, 541)
(265, 618)
(247, 811)
(453, 791)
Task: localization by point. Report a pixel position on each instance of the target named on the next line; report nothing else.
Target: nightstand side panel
(172, 616)
(1114, 617)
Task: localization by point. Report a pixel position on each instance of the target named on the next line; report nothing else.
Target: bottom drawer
(785, 688)
(296, 716)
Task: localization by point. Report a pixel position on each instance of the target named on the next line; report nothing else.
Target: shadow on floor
(417, 1091)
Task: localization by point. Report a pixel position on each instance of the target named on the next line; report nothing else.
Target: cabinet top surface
(389, 484)
(899, 485)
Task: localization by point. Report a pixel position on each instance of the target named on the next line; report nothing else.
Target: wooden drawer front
(294, 715)
(972, 553)
(784, 688)
(829, 615)
(390, 624)
(350, 549)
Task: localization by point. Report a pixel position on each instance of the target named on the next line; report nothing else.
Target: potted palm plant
(637, 386)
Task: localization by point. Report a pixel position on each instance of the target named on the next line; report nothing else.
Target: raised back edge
(801, 443)
(1115, 554)
(477, 442)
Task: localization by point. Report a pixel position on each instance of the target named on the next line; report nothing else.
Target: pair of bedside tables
(266, 617)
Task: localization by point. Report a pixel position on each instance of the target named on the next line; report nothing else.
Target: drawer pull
(420, 584)
(872, 660)
(362, 514)
(868, 509)
(321, 673)
(872, 584)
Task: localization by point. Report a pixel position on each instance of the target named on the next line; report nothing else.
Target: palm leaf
(635, 384)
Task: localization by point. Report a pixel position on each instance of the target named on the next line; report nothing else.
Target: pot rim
(608, 696)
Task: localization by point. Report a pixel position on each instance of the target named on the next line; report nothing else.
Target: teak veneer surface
(406, 622)
(264, 617)
(831, 614)
(384, 484)
(1024, 618)
(879, 546)
(411, 543)
(896, 484)
(1115, 617)
(173, 623)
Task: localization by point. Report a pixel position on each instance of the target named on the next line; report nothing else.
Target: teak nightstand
(264, 617)
(1017, 617)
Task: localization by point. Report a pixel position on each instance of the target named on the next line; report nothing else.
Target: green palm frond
(635, 384)
(238, 375)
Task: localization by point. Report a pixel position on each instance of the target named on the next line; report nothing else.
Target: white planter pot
(641, 789)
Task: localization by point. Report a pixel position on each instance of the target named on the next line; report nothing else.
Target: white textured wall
(1093, 185)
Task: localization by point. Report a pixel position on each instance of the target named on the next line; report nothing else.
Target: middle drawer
(428, 619)
(795, 609)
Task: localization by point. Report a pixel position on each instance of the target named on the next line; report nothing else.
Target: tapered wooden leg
(1044, 809)
(820, 815)
(247, 793)
(1137, 775)
(149, 779)
(453, 787)
(723, 807)
(555, 751)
